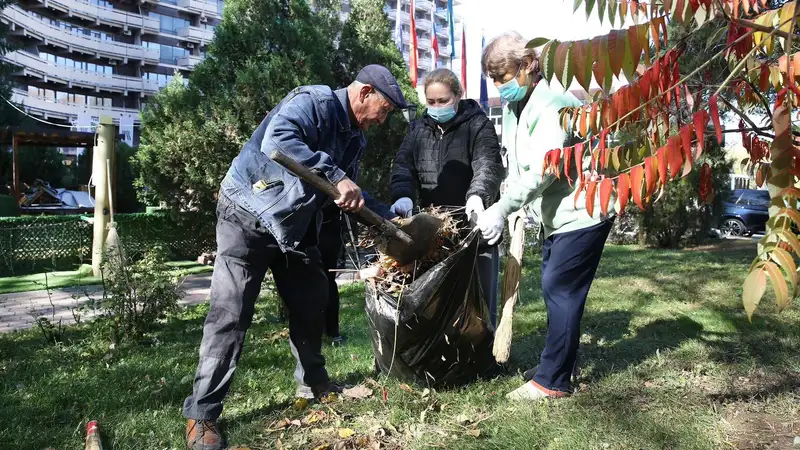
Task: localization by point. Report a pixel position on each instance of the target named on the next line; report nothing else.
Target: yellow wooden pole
(104, 150)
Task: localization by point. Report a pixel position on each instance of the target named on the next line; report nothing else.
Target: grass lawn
(668, 361)
(81, 277)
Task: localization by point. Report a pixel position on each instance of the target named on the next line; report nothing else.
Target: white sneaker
(531, 391)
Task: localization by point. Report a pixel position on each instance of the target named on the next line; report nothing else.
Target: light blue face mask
(442, 114)
(511, 91)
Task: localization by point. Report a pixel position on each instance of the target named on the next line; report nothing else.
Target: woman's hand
(491, 223)
(402, 207)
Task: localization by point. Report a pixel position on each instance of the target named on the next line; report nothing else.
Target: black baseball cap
(384, 82)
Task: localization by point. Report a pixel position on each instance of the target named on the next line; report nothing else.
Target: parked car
(744, 212)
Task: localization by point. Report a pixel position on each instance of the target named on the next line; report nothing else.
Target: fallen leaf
(406, 387)
(463, 419)
(300, 404)
(322, 447)
(426, 392)
(474, 433)
(296, 423)
(345, 433)
(357, 392)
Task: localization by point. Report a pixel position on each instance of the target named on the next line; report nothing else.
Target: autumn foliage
(671, 120)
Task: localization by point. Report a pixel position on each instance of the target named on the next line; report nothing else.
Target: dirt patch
(725, 245)
(758, 430)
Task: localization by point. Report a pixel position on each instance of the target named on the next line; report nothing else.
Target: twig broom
(510, 293)
(113, 244)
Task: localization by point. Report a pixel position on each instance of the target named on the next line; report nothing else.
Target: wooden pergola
(17, 137)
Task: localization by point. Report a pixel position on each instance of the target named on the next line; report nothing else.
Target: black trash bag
(443, 334)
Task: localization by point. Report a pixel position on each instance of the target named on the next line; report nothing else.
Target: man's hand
(474, 205)
(350, 198)
(402, 207)
(491, 223)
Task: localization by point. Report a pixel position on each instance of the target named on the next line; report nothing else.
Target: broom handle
(110, 197)
(305, 174)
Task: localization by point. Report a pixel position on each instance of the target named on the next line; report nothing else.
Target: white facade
(80, 59)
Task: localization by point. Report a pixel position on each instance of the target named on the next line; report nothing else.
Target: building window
(78, 65)
(169, 24)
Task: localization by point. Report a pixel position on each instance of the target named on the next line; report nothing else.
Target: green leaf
(563, 68)
(548, 59)
(577, 5)
(589, 7)
(612, 12)
(601, 9)
(786, 262)
(778, 284)
(753, 289)
(537, 42)
(581, 57)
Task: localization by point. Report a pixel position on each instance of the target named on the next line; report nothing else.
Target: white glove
(474, 205)
(402, 207)
(491, 223)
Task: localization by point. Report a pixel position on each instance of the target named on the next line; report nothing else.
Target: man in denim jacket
(268, 219)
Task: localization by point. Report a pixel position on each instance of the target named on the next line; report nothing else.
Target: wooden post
(104, 150)
(15, 166)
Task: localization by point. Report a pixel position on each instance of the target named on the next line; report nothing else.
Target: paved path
(19, 311)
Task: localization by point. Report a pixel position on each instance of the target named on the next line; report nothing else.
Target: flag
(413, 62)
(484, 101)
(434, 39)
(398, 28)
(451, 25)
(464, 58)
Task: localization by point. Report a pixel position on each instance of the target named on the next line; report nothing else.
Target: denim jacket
(312, 126)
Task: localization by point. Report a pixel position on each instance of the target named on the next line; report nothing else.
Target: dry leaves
(357, 392)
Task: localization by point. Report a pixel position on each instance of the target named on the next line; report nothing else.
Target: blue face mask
(511, 91)
(442, 114)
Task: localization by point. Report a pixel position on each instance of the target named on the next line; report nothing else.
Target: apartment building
(427, 14)
(79, 59)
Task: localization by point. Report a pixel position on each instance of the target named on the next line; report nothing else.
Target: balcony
(423, 43)
(34, 66)
(189, 61)
(424, 24)
(196, 34)
(424, 5)
(53, 35)
(102, 15)
(201, 7)
(49, 109)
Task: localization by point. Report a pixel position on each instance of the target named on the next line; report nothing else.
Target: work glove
(491, 223)
(474, 205)
(402, 207)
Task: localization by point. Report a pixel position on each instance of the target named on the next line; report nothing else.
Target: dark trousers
(569, 263)
(245, 250)
(488, 271)
(330, 247)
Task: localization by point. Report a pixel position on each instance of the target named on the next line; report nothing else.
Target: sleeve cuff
(336, 175)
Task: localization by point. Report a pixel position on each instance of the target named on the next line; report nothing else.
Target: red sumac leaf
(606, 186)
(700, 120)
(674, 156)
(591, 190)
(661, 156)
(637, 173)
(705, 183)
(567, 159)
(713, 109)
(579, 160)
(686, 141)
(623, 191)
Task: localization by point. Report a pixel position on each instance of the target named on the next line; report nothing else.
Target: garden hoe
(406, 240)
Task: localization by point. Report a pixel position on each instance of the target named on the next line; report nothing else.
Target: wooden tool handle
(318, 182)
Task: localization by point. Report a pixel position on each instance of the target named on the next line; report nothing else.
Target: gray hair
(507, 53)
(447, 78)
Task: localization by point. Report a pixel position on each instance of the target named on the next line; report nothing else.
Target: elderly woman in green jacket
(573, 240)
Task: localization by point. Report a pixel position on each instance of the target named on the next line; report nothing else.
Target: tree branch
(753, 87)
(755, 128)
(754, 26)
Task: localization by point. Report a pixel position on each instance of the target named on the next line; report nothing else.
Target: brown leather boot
(204, 435)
